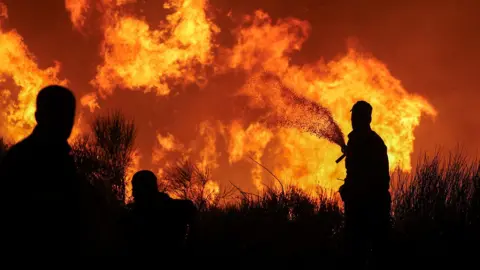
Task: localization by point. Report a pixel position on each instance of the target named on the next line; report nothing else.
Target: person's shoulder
(377, 139)
(18, 150)
(16, 156)
(376, 136)
(351, 134)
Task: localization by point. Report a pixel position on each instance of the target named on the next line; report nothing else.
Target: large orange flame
(22, 79)
(139, 57)
(182, 50)
(77, 9)
(306, 160)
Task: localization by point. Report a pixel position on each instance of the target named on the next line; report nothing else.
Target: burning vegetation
(271, 136)
(182, 49)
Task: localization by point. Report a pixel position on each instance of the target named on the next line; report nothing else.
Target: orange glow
(249, 142)
(166, 145)
(208, 155)
(77, 9)
(91, 101)
(306, 160)
(183, 49)
(21, 80)
(207, 160)
(131, 170)
(136, 56)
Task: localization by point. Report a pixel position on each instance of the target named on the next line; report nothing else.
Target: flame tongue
(21, 80)
(139, 57)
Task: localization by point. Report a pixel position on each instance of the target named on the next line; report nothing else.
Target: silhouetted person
(366, 190)
(158, 223)
(41, 194)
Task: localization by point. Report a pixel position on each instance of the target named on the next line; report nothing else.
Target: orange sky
(431, 48)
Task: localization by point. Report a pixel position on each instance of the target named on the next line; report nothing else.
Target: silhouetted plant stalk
(288, 203)
(435, 209)
(439, 200)
(442, 195)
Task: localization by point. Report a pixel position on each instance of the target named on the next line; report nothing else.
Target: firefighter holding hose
(365, 193)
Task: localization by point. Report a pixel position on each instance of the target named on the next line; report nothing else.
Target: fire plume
(182, 49)
(21, 80)
(137, 56)
(306, 160)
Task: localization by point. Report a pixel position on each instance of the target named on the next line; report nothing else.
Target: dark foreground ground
(435, 221)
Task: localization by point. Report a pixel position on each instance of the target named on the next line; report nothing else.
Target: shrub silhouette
(436, 209)
(104, 155)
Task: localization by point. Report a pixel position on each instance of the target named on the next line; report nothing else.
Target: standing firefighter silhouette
(365, 192)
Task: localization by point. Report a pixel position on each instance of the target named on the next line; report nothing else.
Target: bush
(277, 222)
(436, 209)
(435, 214)
(104, 156)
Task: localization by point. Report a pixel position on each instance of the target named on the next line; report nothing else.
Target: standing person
(365, 194)
(41, 194)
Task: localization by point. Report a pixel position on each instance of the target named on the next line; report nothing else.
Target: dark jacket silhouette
(41, 194)
(366, 190)
(157, 223)
(368, 177)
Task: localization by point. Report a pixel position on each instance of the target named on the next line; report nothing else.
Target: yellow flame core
(138, 57)
(306, 160)
(22, 80)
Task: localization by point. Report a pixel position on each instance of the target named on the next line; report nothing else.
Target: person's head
(144, 185)
(361, 115)
(55, 112)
